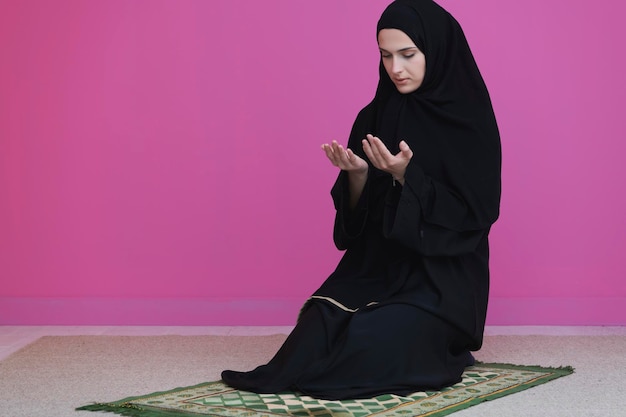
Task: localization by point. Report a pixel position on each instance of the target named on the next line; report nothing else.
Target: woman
(418, 191)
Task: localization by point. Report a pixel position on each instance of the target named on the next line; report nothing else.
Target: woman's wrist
(358, 173)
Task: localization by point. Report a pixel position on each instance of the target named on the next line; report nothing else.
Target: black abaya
(407, 302)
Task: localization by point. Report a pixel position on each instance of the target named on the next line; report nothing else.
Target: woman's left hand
(384, 160)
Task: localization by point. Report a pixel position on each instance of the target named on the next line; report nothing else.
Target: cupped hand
(344, 159)
(384, 160)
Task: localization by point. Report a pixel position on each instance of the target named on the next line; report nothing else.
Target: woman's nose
(396, 66)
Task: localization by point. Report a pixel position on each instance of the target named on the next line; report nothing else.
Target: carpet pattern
(480, 383)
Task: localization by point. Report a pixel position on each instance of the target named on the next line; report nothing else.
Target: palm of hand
(344, 159)
(384, 160)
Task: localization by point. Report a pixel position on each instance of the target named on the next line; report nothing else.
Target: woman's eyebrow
(400, 50)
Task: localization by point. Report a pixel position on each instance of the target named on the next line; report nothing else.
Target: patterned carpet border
(482, 382)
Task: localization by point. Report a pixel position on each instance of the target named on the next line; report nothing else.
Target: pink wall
(160, 161)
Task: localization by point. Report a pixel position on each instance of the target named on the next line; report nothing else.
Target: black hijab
(448, 121)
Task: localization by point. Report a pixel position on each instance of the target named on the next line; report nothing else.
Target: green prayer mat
(482, 382)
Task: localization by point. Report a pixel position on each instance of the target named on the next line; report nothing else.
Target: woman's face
(403, 61)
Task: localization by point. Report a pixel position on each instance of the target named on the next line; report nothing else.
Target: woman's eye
(409, 56)
(385, 55)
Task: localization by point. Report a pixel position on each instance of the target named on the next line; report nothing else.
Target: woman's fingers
(406, 150)
(328, 150)
(383, 159)
(343, 158)
(367, 148)
(333, 153)
(377, 152)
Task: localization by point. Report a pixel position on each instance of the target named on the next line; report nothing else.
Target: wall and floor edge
(505, 311)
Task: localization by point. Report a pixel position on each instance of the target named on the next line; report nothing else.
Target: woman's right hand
(344, 159)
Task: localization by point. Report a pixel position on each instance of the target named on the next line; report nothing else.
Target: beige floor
(13, 338)
(596, 389)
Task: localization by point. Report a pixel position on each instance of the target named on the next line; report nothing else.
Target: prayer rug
(482, 382)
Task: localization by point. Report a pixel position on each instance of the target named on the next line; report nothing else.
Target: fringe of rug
(125, 407)
(128, 410)
(562, 370)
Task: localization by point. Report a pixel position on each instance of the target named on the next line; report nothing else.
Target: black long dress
(407, 302)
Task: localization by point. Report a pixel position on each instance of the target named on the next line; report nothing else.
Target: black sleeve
(349, 224)
(425, 215)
